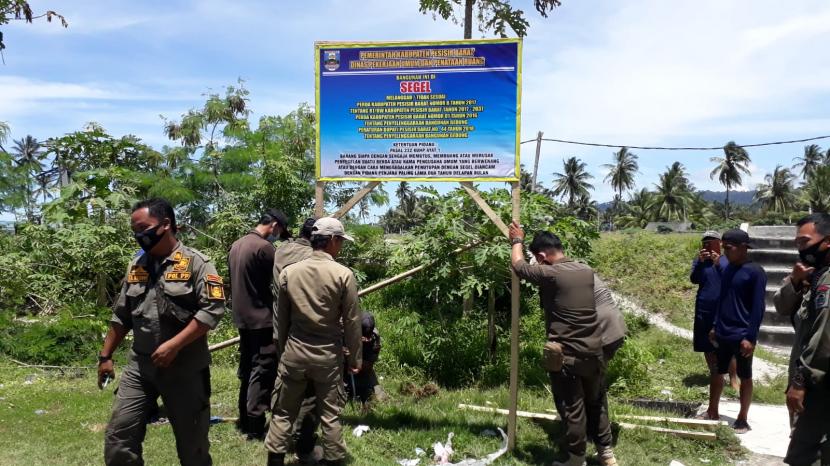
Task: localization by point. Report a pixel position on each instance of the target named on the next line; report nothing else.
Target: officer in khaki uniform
(805, 295)
(171, 297)
(574, 356)
(305, 427)
(317, 312)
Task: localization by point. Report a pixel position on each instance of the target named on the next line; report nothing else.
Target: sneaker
(606, 456)
(741, 426)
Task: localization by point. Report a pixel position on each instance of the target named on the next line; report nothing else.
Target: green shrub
(628, 372)
(67, 338)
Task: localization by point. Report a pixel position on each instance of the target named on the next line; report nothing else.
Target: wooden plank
(319, 198)
(699, 423)
(514, 334)
(697, 435)
(525, 414)
(482, 204)
(356, 198)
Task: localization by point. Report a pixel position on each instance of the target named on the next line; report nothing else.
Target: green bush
(69, 337)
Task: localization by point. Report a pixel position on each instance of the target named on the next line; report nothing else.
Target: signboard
(426, 111)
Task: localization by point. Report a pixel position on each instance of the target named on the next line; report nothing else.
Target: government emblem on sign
(331, 59)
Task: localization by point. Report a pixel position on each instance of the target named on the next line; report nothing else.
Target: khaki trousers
(289, 393)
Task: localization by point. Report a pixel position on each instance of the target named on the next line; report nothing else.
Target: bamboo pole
(514, 336)
(697, 435)
(356, 198)
(319, 198)
(482, 204)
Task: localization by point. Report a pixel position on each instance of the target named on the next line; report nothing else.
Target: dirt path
(770, 432)
(764, 369)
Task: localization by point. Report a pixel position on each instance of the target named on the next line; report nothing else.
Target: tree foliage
(492, 15)
(21, 10)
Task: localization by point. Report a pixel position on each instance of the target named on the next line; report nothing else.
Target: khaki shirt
(566, 290)
(289, 253)
(159, 298)
(611, 321)
(810, 309)
(317, 311)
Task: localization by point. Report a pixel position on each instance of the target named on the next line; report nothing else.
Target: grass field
(70, 431)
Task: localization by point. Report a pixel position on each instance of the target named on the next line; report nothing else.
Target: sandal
(741, 427)
(705, 417)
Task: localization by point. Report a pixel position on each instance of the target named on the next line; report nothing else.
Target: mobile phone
(107, 380)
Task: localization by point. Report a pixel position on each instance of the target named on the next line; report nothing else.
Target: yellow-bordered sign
(418, 111)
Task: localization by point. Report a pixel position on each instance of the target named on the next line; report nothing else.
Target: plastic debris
(489, 459)
(420, 451)
(360, 430)
(489, 433)
(40, 412)
(444, 452)
(676, 463)
(704, 460)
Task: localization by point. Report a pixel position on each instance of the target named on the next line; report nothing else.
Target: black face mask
(148, 238)
(813, 256)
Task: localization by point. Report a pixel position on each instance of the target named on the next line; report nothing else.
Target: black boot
(256, 428)
(332, 462)
(276, 459)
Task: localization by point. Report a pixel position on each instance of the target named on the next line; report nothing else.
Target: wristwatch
(102, 359)
(517, 241)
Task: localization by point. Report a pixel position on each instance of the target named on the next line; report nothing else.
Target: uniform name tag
(177, 276)
(137, 274)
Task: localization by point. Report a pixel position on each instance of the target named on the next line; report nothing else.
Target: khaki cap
(330, 226)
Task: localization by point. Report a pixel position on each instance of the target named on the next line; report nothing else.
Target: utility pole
(536, 163)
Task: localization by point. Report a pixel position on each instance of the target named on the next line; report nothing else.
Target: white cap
(330, 226)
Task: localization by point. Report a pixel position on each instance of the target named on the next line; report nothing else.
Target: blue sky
(639, 72)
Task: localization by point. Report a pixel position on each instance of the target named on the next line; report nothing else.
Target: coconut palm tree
(573, 181)
(28, 154)
(585, 208)
(621, 172)
(672, 196)
(777, 193)
(810, 161)
(5, 130)
(637, 212)
(816, 192)
(730, 167)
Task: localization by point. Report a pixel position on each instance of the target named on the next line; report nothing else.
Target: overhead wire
(597, 144)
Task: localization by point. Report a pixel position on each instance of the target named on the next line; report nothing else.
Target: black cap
(281, 219)
(736, 236)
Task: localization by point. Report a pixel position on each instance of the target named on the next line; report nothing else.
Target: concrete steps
(775, 251)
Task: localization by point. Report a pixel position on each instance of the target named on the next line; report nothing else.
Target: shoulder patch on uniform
(177, 256)
(182, 264)
(213, 278)
(823, 288)
(177, 276)
(137, 274)
(215, 290)
(821, 299)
